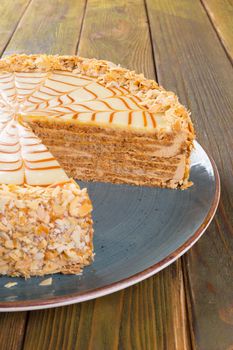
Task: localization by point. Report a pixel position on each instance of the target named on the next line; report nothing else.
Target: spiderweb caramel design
(24, 159)
(71, 97)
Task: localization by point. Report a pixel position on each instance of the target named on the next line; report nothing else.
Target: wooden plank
(118, 31)
(105, 326)
(221, 15)
(48, 27)
(79, 326)
(10, 13)
(191, 61)
(12, 327)
(151, 315)
(53, 328)
(154, 313)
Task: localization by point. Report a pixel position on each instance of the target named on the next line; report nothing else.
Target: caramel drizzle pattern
(24, 149)
(42, 86)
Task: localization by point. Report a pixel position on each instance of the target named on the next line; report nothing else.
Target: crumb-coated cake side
(44, 230)
(45, 218)
(117, 125)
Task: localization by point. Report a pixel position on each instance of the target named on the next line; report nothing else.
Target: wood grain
(56, 325)
(154, 314)
(10, 13)
(150, 315)
(191, 60)
(12, 328)
(118, 31)
(48, 27)
(221, 15)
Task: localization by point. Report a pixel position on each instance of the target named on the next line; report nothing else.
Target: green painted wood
(191, 61)
(221, 15)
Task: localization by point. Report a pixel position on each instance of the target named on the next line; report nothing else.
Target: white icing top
(70, 96)
(24, 159)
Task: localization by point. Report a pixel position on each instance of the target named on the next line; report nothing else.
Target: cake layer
(44, 230)
(166, 145)
(101, 154)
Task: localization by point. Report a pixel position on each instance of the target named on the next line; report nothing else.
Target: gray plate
(138, 231)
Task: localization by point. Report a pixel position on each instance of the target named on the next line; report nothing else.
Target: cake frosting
(91, 91)
(24, 159)
(77, 98)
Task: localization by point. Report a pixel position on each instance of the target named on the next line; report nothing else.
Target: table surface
(187, 46)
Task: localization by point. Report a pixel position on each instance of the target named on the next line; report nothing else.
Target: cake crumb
(10, 284)
(46, 282)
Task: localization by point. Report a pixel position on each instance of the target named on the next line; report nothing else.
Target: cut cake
(103, 123)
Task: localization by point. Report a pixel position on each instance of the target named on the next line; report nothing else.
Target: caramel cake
(102, 122)
(45, 222)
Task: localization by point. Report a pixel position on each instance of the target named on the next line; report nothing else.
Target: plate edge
(129, 281)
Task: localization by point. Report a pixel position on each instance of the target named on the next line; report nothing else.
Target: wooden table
(187, 46)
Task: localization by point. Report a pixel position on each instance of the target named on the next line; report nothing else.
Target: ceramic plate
(138, 232)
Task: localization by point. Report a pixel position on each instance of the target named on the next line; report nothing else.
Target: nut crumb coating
(45, 230)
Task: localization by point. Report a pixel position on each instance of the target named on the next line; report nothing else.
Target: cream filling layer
(92, 142)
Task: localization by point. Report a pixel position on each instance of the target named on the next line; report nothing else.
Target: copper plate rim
(129, 281)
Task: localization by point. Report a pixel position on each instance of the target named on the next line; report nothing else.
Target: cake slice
(102, 122)
(45, 220)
